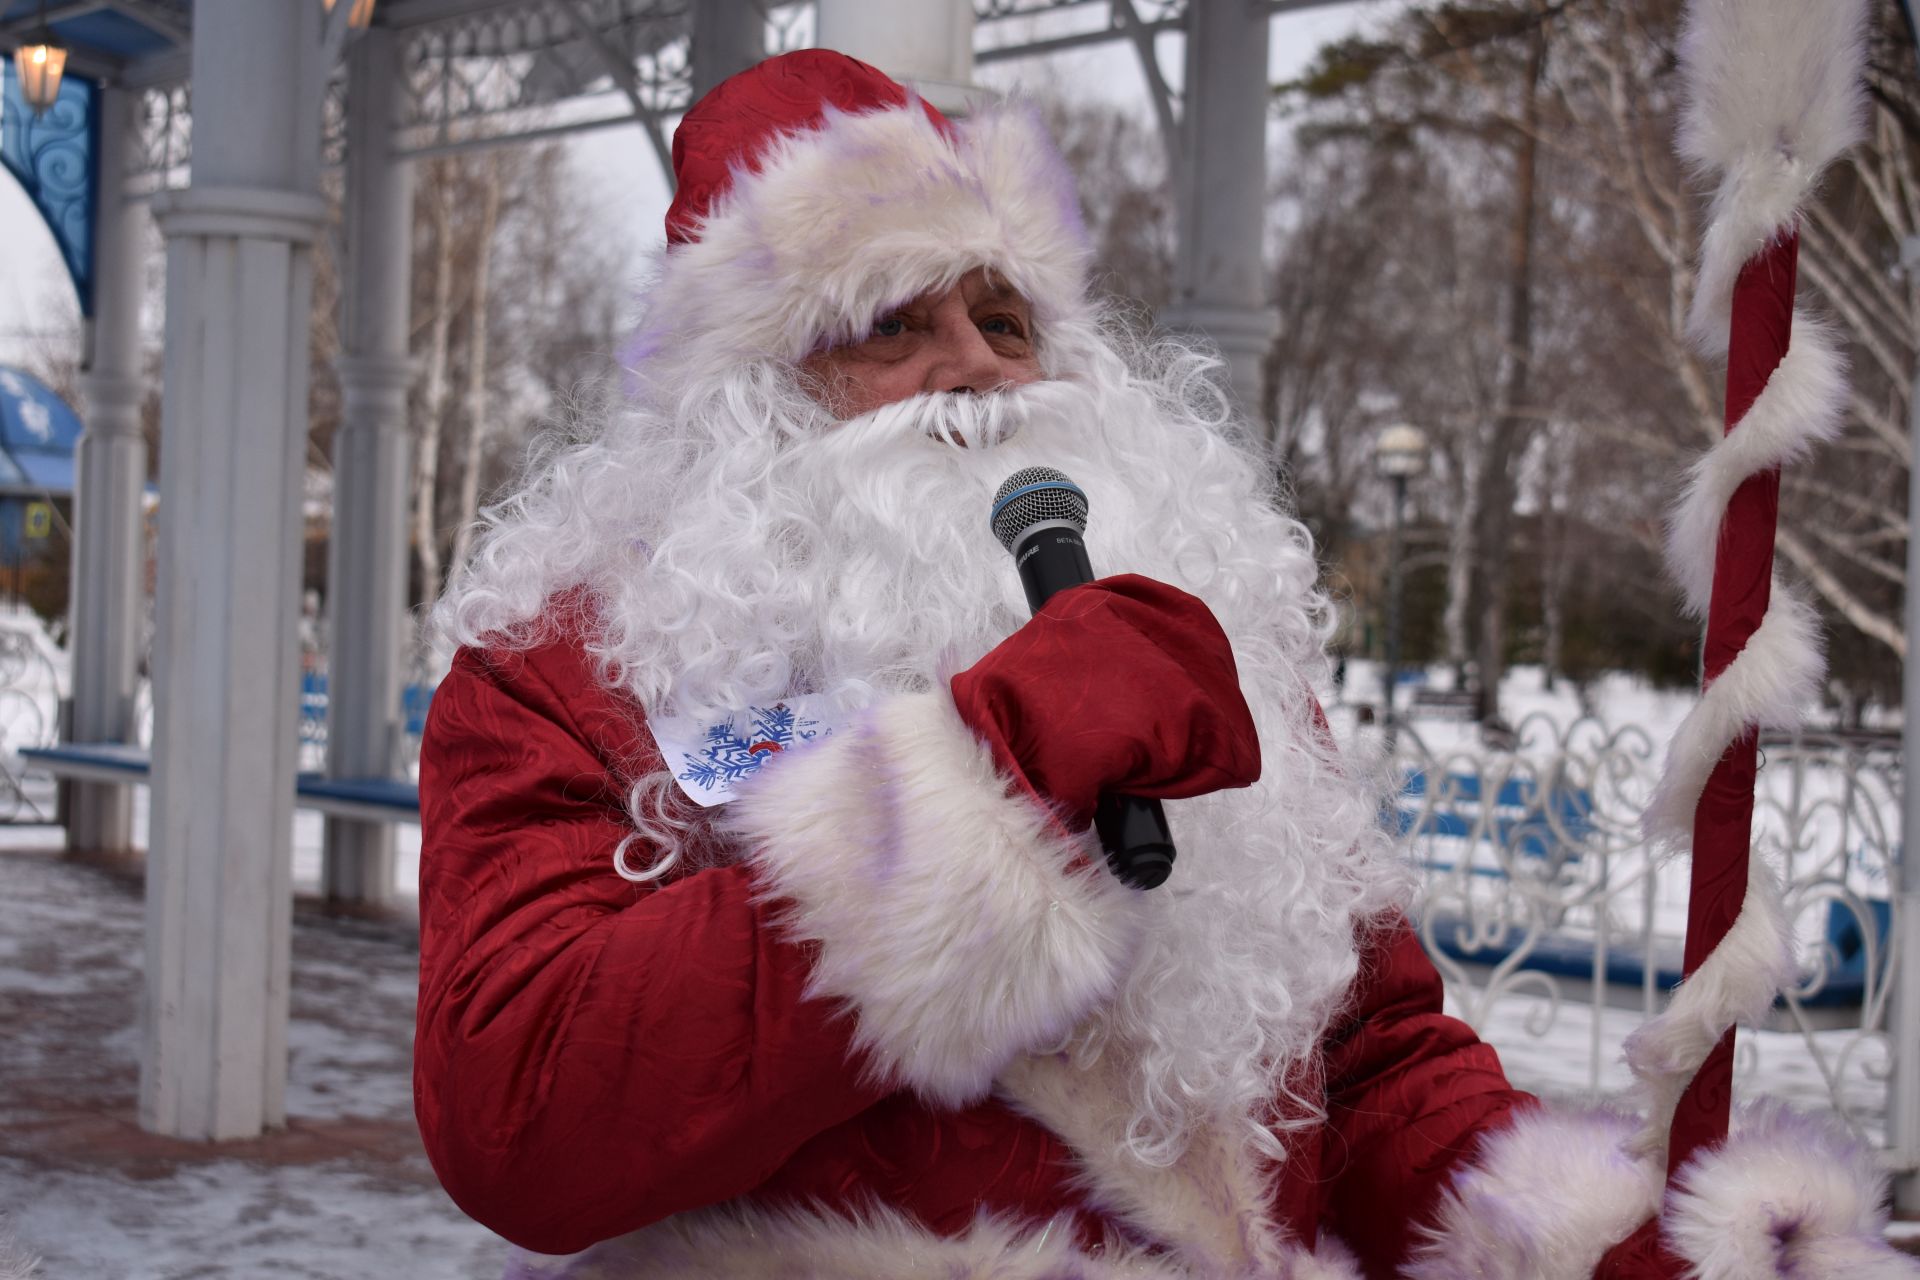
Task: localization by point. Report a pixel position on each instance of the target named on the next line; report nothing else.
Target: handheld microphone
(1041, 517)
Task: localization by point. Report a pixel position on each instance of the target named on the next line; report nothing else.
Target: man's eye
(1005, 326)
(891, 327)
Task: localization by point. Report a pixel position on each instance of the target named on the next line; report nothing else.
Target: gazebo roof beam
(991, 15)
(1075, 40)
(156, 18)
(403, 14)
(11, 32)
(589, 124)
(156, 69)
(54, 14)
(629, 83)
(162, 21)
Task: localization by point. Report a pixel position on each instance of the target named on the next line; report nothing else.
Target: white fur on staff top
(1774, 93)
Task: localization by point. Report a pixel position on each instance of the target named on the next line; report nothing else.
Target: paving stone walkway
(344, 1191)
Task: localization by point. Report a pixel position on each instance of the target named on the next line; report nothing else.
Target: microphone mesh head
(1031, 495)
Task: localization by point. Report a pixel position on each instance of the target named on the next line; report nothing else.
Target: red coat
(595, 1055)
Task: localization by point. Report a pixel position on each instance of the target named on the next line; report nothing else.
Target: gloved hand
(1122, 685)
(1788, 1196)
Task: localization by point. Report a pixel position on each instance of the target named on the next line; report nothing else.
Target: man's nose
(963, 360)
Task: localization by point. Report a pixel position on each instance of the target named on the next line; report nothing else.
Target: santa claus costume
(885, 1012)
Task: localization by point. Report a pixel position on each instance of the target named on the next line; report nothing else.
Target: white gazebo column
(1220, 165)
(925, 44)
(728, 37)
(110, 466)
(1903, 1026)
(226, 652)
(372, 470)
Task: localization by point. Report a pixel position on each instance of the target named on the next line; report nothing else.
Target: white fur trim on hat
(950, 916)
(1786, 1195)
(1544, 1199)
(837, 225)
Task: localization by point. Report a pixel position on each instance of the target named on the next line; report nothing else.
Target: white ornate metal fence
(1556, 932)
(32, 673)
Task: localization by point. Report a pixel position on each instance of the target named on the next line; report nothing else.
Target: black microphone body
(1051, 557)
(1051, 554)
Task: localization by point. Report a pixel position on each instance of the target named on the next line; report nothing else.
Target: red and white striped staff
(1774, 93)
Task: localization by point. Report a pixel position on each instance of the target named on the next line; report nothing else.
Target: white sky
(616, 170)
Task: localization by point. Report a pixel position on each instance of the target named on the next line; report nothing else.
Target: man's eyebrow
(1004, 293)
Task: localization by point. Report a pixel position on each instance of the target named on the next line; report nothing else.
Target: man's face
(976, 336)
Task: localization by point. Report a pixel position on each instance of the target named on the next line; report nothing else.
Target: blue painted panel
(415, 699)
(55, 157)
(100, 32)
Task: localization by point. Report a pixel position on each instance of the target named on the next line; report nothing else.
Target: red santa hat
(815, 194)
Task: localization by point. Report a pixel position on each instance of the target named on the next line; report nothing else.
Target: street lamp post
(1399, 455)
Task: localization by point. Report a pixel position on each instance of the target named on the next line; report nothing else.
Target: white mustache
(963, 419)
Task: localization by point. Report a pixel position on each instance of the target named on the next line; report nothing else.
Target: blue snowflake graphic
(726, 757)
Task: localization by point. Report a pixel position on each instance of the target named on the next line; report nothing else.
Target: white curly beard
(751, 548)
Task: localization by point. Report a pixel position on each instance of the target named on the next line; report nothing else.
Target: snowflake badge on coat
(710, 756)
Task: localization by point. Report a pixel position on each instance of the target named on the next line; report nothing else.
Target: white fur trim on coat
(741, 1242)
(1544, 1199)
(835, 226)
(948, 913)
(1211, 1205)
(15, 1262)
(1786, 1196)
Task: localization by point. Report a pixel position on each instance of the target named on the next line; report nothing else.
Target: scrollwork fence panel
(1557, 930)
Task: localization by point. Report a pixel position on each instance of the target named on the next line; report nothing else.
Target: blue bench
(1564, 812)
(1562, 956)
(1847, 958)
(375, 799)
(92, 761)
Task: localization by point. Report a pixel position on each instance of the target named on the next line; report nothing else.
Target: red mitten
(1123, 685)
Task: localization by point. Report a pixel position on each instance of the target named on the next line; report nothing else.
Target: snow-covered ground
(344, 1191)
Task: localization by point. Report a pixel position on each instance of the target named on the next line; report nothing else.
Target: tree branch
(1844, 602)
